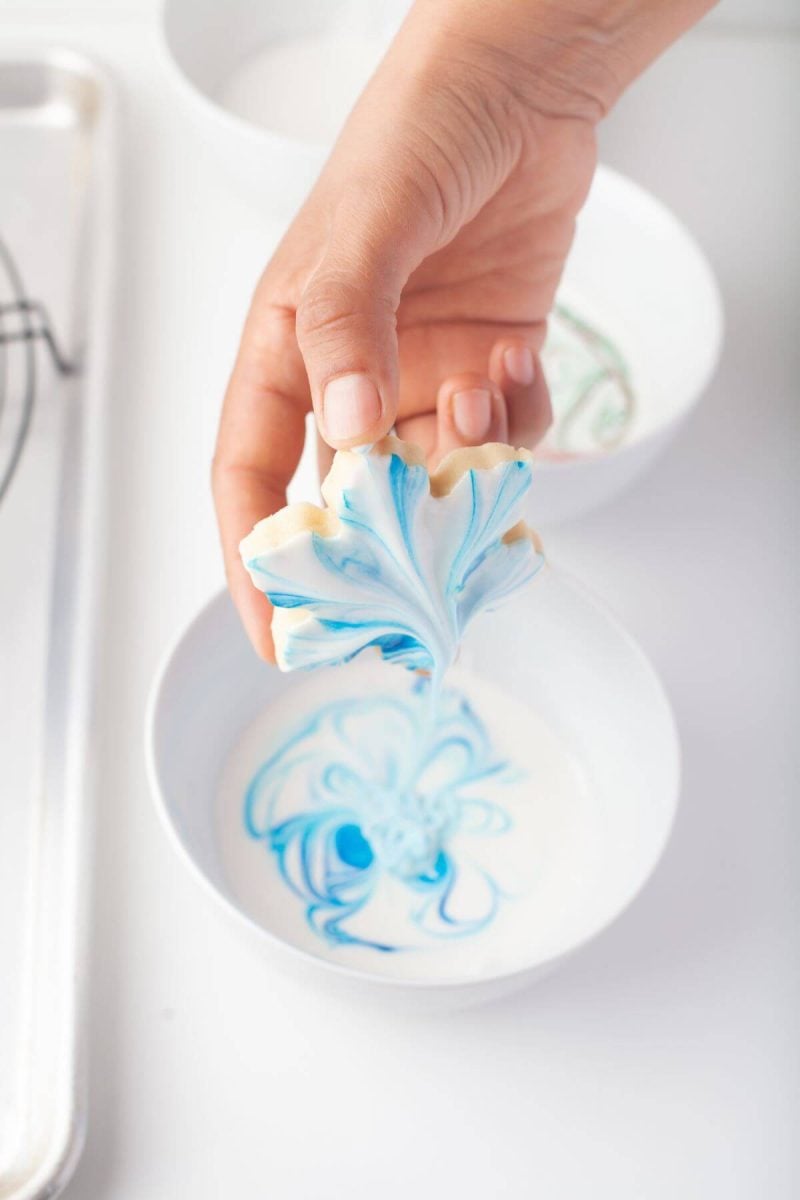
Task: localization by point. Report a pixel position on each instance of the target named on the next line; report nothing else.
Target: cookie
(400, 559)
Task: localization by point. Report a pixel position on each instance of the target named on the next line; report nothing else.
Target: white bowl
(553, 649)
(273, 120)
(635, 274)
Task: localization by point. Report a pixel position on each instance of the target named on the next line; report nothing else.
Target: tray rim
(44, 1163)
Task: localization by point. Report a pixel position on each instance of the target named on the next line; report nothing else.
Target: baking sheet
(56, 184)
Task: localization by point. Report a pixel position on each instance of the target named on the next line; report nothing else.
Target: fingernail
(518, 361)
(472, 413)
(350, 407)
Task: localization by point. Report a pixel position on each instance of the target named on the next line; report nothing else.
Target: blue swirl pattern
(391, 562)
(376, 789)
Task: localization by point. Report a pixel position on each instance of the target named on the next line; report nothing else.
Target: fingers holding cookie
(517, 372)
(509, 404)
(470, 410)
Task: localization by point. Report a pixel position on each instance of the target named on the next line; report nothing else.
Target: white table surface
(663, 1061)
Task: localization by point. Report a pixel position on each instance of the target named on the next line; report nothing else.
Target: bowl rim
(257, 135)
(361, 975)
(631, 189)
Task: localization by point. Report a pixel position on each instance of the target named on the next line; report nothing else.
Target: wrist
(559, 60)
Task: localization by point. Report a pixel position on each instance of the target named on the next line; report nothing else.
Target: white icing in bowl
(523, 855)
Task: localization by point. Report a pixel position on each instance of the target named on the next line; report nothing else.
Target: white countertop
(660, 1063)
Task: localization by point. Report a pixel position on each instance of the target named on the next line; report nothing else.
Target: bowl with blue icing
(465, 768)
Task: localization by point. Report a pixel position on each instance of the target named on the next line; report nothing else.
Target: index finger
(259, 443)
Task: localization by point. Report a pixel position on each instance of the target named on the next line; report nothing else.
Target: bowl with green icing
(632, 343)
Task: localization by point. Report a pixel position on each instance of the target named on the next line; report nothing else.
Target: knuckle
(325, 305)
(217, 474)
(334, 306)
(220, 475)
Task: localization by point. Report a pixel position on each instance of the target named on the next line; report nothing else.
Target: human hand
(414, 285)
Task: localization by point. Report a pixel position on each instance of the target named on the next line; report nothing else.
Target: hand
(414, 285)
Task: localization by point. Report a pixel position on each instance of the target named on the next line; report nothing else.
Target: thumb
(346, 317)
(422, 151)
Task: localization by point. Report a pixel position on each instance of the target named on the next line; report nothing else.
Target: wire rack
(24, 323)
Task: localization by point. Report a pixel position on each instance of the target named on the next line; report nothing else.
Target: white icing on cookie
(399, 559)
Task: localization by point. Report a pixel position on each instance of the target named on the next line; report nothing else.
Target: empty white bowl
(552, 649)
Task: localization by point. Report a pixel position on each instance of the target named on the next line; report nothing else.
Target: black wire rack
(23, 324)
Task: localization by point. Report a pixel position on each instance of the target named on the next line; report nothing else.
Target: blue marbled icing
(405, 572)
(387, 786)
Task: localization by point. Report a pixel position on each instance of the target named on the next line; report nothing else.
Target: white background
(662, 1062)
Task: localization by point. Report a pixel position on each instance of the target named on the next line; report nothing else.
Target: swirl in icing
(399, 559)
(594, 404)
(371, 807)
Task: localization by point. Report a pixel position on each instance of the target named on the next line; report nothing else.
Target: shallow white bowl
(554, 649)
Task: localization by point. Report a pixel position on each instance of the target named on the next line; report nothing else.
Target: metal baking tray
(56, 240)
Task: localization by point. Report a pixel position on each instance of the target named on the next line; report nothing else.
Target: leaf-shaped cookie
(399, 559)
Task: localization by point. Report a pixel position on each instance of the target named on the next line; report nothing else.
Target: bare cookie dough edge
(303, 517)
